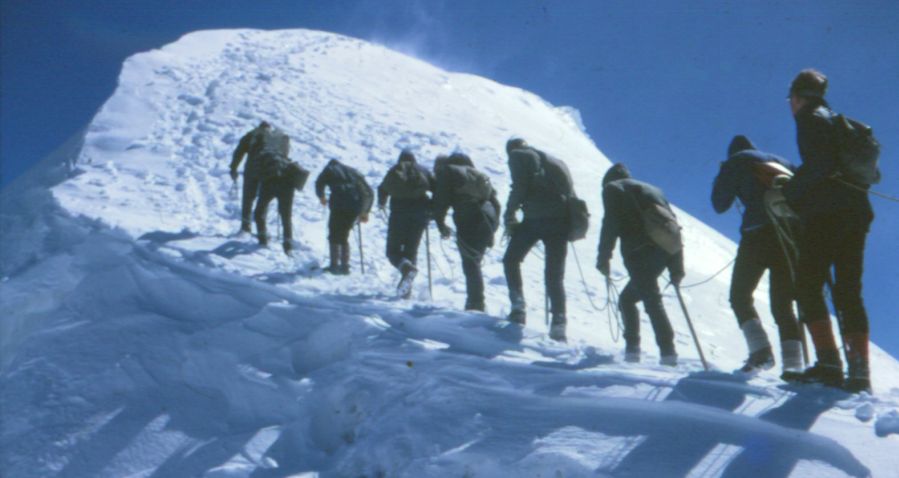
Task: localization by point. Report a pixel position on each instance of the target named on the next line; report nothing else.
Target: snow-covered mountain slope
(140, 338)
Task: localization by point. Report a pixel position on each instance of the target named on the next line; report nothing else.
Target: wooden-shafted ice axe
(683, 307)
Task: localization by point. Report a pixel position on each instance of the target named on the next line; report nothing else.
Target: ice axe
(683, 307)
(361, 253)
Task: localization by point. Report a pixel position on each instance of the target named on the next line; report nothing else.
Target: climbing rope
(709, 279)
(868, 191)
(610, 307)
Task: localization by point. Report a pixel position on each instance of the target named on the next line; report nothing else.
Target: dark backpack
(660, 224)
(270, 141)
(406, 181)
(772, 175)
(857, 151)
(555, 171)
(351, 193)
(475, 185)
(297, 175)
(274, 165)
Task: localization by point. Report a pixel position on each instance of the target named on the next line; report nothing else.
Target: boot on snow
(334, 255)
(557, 329)
(518, 314)
(669, 360)
(858, 379)
(758, 361)
(827, 374)
(632, 353)
(408, 273)
(344, 267)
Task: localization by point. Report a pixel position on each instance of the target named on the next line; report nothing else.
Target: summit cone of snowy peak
(142, 337)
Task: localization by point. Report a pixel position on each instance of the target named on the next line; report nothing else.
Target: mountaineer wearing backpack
(835, 216)
(476, 215)
(350, 200)
(278, 178)
(541, 185)
(406, 184)
(744, 176)
(259, 140)
(640, 215)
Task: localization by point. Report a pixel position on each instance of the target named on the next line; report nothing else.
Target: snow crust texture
(141, 338)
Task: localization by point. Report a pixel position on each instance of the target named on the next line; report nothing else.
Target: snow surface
(140, 338)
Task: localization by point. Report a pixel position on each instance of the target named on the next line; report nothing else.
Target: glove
(445, 231)
(233, 174)
(603, 268)
(363, 218)
(323, 200)
(677, 277)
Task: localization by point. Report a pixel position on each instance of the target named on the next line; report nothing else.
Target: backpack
(274, 165)
(576, 208)
(857, 151)
(351, 193)
(660, 224)
(270, 141)
(406, 181)
(475, 185)
(772, 175)
(297, 175)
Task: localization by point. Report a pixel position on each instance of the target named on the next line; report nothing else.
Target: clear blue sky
(662, 86)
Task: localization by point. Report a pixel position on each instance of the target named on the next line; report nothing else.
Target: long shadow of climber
(764, 452)
(761, 458)
(681, 456)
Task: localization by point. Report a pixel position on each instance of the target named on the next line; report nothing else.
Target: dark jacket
(540, 185)
(623, 219)
(407, 205)
(257, 144)
(349, 190)
(736, 180)
(449, 179)
(812, 192)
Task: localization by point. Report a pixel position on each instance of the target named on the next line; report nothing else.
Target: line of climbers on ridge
(798, 223)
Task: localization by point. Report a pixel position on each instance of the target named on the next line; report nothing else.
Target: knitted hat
(616, 172)
(515, 143)
(739, 143)
(406, 155)
(809, 83)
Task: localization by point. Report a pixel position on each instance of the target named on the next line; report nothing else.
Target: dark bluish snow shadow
(799, 412)
(764, 454)
(232, 249)
(158, 238)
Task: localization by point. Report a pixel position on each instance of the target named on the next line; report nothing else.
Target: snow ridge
(140, 338)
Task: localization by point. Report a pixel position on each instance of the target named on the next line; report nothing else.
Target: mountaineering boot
(859, 377)
(669, 360)
(759, 360)
(791, 358)
(263, 239)
(632, 353)
(474, 306)
(760, 356)
(288, 247)
(518, 314)
(827, 374)
(668, 354)
(557, 329)
(334, 251)
(344, 267)
(408, 273)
